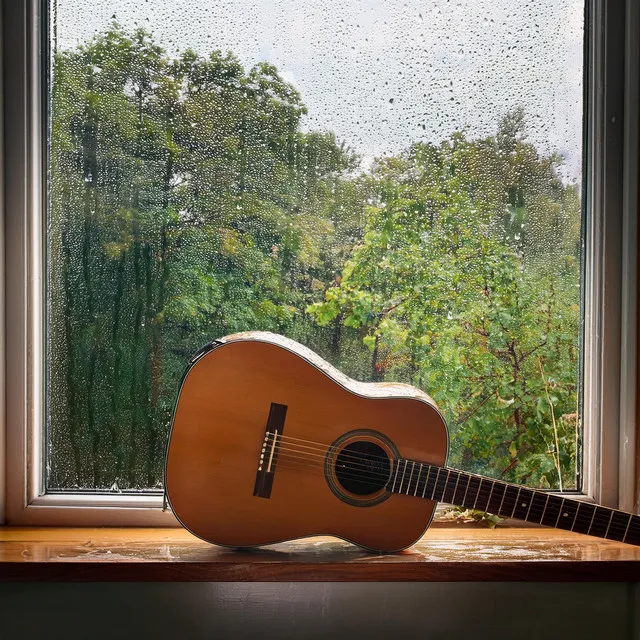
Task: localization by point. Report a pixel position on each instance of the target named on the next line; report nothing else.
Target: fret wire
(583, 517)
(617, 525)
(554, 507)
(446, 482)
(413, 466)
(447, 485)
(532, 516)
(601, 521)
(418, 480)
(516, 501)
(504, 493)
(426, 480)
(396, 475)
(559, 513)
(435, 484)
(523, 501)
(422, 479)
(508, 499)
(443, 496)
(479, 487)
(453, 495)
(482, 489)
(627, 529)
(477, 494)
(575, 515)
(464, 497)
(496, 497)
(546, 503)
(595, 510)
(403, 472)
(486, 506)
(457, 500)
(610, 519)
(533, 497)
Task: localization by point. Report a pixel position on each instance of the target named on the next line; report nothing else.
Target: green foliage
(187, 203)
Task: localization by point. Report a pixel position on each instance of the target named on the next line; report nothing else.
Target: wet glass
(395, 184)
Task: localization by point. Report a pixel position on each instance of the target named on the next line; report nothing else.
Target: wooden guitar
(269, 442)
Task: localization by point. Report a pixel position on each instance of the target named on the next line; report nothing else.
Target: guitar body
(269, 443)
(262, 439)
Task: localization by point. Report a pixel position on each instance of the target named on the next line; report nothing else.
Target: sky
(383, 74)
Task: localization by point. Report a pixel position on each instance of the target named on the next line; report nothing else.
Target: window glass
(395, 184)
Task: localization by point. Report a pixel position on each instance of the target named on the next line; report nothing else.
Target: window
(413, 192)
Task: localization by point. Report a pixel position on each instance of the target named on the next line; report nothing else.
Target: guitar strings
(311, 466)
(509, 502)
(296, 463)
(320, 447)
(361, 468)
(355, 472)
(372, 477)
(360, 461)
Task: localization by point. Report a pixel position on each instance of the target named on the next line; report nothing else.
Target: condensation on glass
(395, 184)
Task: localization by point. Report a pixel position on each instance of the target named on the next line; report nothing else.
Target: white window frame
(611, 99)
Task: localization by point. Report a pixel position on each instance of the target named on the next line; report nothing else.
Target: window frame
(610, 196)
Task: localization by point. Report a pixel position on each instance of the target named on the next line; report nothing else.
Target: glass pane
(396, 184)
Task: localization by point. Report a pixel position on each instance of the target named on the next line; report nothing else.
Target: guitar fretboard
(512, 501)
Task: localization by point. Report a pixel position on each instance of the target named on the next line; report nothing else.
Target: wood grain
(444, 554)
(219, 429)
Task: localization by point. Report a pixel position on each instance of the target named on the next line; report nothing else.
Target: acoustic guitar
(269, 443)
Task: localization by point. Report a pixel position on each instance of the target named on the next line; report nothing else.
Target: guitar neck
(507, 500)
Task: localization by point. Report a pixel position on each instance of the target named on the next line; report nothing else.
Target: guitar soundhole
(362, 468)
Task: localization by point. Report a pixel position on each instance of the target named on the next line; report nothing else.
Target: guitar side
(221, 489)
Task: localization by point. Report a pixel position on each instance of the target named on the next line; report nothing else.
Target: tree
(445, 298)
(188, 202)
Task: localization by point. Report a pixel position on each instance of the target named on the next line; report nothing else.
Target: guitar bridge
(269, 452)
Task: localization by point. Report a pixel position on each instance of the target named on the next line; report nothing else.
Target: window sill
(445, 554)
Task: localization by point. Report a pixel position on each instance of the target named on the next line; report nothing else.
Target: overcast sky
(384, 73)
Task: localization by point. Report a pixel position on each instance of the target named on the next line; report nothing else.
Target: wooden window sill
(445, 554)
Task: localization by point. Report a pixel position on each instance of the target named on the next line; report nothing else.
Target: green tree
(446, 295)
(187, 202)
